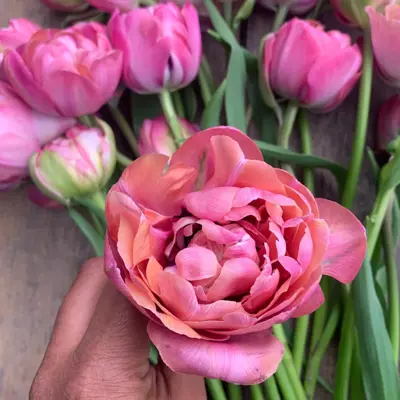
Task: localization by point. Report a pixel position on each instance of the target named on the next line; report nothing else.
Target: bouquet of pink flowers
(206, 218)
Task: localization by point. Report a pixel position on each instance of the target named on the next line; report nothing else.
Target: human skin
(99, 349)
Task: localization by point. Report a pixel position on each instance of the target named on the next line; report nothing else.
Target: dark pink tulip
(70, 72)
(304, 63)
(111, 5)
(215, 246)
(22, 133)
(161, 46)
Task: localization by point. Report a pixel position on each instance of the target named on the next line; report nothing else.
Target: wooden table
(41, 250)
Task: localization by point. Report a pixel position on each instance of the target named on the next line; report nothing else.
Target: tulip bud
(22, 133)
(155, 136)
(76, 166)
(161, 46)
(302, 62)
(294, 6)
(385, 35)
(67, 5)
(111, 5)
(388, 123)
(18, 32)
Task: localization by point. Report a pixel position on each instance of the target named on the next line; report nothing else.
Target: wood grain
(41, 250)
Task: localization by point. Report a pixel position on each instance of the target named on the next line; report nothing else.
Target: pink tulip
(69, 72)
(76, 166)
(155, 136)
(161, 46)
(18, 32)
(67, 5)
(295, 7)
(22, 133)
(215, 246)
(318, 69)
(385, 33)
(388, 122)
(111, 5)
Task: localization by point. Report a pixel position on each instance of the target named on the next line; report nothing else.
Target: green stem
(280, 17)
(289, 364)
(126, 129)
(227, 8)
(312, 369)
(215, 389)
(356, 383)
(360, 135)
(123, 160)
(98, 200)
(287, 125)
(285, 385)
(299, 342)
(86, 120)
(256, 392)
(234, 392)
(180, 109)
(206, 81)
(271, 388)
(389, 248)
(171, 116)
(307, 146)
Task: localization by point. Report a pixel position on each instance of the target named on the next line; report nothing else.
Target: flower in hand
(215, 246)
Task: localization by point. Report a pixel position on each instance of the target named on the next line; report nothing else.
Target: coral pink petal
(228, 323)
(311, 304)
(246, 360)
(237, 277)
(192, 151)
(214, 311)
(347, 243)
(195, 263)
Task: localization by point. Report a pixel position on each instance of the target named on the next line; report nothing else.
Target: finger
(76, 310)
(117, 332)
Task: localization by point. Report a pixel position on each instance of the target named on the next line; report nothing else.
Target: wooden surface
(41, 250)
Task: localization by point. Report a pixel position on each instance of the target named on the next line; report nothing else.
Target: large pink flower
(70, 72)
(216, 246)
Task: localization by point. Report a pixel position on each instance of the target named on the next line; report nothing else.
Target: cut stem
(299, 342)
(389, 248)
(284, 383)
(215, 389)
(271, 388)
(171, 116)
(125, 129)
(256, 392)
(287, 125)
(234, 392)
(306, 143)
(123, 160)
(280, 17)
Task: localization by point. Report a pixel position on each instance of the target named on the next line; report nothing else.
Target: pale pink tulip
(215, 246)
(111, 5)
(17, 33)
(161, 46)
(22, 133)
(302, 62)
(385, 32)
(67, 5)
(155, 136)
(294, 6)
(69, 72)
(388, 122)
(77, 165)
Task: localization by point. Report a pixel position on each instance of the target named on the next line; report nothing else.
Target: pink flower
(161, 46)
(385, 31)
(295, 7)
(77, 165)
(69, 72)
(388, 122)
(67, 5)
(18, 32)
(155, 136)
(111, 5)
(22, 133)
(215, 246)
(318, 69)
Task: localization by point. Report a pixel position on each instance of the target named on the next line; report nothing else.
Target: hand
(99, 350)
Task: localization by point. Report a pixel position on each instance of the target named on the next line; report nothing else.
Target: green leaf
(390, 173)
(144, 106)
(244, 13)
(379, 371)
(91, 234)
(235, 101)
(212, 113)
(304, 160)
(220, 25)
(190, 102)
(381, 287)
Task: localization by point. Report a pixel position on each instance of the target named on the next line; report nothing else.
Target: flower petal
(311, 304)
(195, 263)
(347, 243)
(246, 360)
